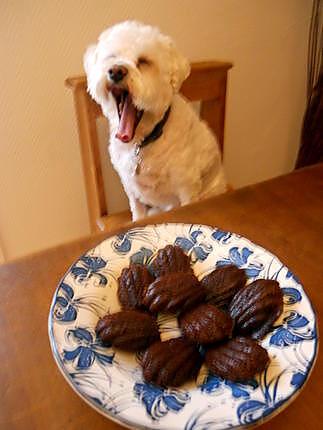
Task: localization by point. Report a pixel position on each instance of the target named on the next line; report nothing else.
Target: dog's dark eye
(143, 61)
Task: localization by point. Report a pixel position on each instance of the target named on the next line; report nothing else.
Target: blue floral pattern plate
(111, 380)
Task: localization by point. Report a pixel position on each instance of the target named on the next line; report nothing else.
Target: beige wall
(42, 200)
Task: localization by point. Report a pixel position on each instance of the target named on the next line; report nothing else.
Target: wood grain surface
(284, 215)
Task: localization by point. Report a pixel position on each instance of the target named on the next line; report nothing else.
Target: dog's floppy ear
(180, 68)
(89, 58)
(90, 66)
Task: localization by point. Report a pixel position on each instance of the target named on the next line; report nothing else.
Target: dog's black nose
(117, 73)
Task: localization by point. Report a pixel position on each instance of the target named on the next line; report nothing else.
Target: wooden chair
(207, 84)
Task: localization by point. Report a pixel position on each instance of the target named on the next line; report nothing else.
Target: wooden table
(284, 215)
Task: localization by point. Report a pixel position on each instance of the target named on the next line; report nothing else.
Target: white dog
(164, 154)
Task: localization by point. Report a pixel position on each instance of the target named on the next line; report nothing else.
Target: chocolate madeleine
(129, 330)
(223, 283)
(174, 292)
(133, 283)
(206, 324)
(171, 259)
(238, 359)
(171, 363)
(256, 307)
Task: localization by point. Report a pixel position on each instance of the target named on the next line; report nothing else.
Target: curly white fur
(184, 164)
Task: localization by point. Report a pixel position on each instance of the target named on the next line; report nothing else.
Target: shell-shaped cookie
(206, 324)
(171, 363)
(256, 307)
(223, 283)
(171, 259)
(238, 359)
(132, 285)
(174, 292)
(129, 330)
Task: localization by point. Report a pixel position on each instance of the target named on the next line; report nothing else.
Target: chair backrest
(207, 84)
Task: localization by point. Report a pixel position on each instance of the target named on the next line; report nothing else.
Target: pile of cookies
(221, 318)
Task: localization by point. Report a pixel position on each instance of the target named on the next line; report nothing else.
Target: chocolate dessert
(174, 292)
(132, 285)
(129, 330)
(256, 307)
(238, 359)
(171, 363)
(223, 283)
(171, 259)
(206, 324)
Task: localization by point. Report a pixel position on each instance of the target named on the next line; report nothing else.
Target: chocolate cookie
(206, 324)
(238, 359)
(256, 307)
(171, 363)
(223, 283)
(171, 259)
(133, 283)
(174, 292)
(129, 330)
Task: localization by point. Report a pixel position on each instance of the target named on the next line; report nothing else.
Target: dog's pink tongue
(126, 128)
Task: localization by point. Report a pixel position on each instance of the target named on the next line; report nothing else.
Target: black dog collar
(157, 131)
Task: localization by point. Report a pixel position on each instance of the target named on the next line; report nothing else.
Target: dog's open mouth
(129, 115)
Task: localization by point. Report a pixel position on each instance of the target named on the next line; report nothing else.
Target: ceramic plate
(111, 380)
